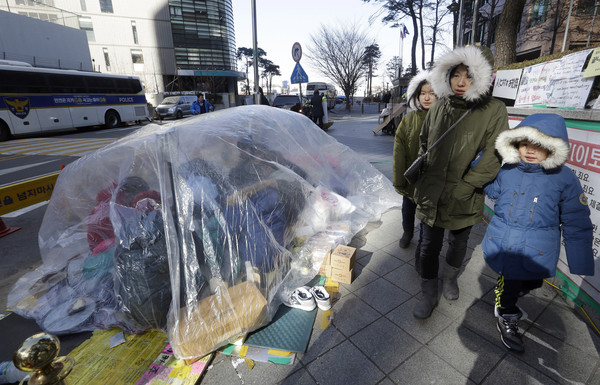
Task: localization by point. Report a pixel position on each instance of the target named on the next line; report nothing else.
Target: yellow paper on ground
(144, 359)
(97, 363)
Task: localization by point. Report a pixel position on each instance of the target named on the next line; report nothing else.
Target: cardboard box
(342, 276)
(217, 320)
(325, 269)
(343, 258)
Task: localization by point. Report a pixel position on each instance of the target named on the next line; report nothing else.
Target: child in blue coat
(538, 198)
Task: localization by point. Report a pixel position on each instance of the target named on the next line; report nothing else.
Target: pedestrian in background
(420, 97)
(201, 106)
(449, 193)
(317, 108)
(522, 241)
(263, 99)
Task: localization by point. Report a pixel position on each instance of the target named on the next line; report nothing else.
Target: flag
(403, 31)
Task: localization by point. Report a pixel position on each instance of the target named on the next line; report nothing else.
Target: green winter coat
(449, 193)
(406, 150)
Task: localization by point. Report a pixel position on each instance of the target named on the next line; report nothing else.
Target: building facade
(542, 27)
(174, 46)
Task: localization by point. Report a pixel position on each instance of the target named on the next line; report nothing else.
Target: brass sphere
(36, 352)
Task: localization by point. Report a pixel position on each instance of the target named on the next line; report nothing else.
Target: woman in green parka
(449, 192)
(420, 97)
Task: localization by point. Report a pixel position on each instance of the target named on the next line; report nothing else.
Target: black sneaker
(405, 240)
(508, 326)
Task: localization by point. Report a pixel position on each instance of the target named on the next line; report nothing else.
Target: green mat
(289, 330)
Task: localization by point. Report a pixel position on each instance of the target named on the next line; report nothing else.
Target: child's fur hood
(412, 87)
(546, 130)
(480, 61)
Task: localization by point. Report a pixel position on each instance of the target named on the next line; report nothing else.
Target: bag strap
(447, 131)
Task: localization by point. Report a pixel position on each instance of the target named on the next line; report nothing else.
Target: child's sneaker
(508, 326)
(523, 314)
(321, 296)
(302, 299)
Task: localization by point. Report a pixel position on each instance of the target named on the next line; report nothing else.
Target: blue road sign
(299, 76)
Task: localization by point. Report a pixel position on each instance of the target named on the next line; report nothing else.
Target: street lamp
(454, 9)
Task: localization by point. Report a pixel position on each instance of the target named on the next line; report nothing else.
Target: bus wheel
(112, 119)
(4, 132)
(179, 115)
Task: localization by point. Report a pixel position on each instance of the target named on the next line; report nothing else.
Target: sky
(281, 23)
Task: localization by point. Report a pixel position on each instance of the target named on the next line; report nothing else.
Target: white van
(176, 106)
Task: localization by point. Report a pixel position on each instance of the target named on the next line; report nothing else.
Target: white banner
(557, 83)
(506, 84)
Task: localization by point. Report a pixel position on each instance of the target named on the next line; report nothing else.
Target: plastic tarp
(200, 228)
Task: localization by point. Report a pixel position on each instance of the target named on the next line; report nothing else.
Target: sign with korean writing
(585, 163)
(24, 194)
(557, 83)
(506, 84)
(534, 87)
(569, 88)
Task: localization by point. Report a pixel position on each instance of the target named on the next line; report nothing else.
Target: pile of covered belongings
(199, 228)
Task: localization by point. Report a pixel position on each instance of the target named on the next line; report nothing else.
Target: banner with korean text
(506, 84)
(556, 83)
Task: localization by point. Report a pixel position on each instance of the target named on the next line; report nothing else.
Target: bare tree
(437, 26)
(489, 19)
(506, 34)
(396, 11)
(426, 15)
(338, 54)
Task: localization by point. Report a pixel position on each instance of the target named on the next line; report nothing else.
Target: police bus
(36, 100)
(324, 89)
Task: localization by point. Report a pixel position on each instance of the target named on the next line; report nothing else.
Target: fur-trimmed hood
(412, 87)
(480, 61)
(546, 130)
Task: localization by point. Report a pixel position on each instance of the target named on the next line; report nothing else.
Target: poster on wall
(557, 83)
(506, 84)
(569, 87)
(535, 87)
(584, 161)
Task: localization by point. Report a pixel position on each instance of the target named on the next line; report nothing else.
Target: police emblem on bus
(18, 106)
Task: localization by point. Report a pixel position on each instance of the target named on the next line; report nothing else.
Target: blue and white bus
(36, 100)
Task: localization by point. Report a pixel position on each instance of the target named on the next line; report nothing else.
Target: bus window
(100, 85)
(16, 82)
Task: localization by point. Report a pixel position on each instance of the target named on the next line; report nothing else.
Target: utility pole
(460, 24)
(255, 53)
(567, 27)
(474, 26)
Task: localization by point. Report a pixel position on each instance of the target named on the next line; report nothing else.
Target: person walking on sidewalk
(538, 197)
(449, 193)
(420, 97)
(317, 108)
(201, 106)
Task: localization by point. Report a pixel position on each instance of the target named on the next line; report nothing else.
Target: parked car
(288, 102)
(176, 106)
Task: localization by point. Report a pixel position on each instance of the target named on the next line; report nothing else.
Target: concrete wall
(43, 44)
